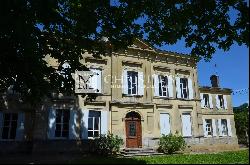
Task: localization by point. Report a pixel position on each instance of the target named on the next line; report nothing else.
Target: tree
(31, 29)
(241, 116)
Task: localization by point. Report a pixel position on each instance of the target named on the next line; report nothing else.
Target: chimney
(214, 80)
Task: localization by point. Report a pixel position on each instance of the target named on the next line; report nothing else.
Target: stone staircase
(130, 152)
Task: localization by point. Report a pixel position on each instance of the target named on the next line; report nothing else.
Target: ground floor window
(224, 129)
(208, 127)
(94, 124)
(62, 123)
(9, 125)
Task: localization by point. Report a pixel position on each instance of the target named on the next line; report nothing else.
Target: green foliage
(241, 117)
(65, 29)
(171, 143)
(107, 144)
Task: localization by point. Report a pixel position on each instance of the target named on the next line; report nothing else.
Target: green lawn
(233, 157)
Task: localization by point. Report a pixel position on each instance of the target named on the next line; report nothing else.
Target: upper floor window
(62, 123)
(163, 86)
(221, 101)
(206, 100)
(133, 82)
(184, 88)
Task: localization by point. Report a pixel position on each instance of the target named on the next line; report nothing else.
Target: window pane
(6, 123)
(14, 116)
(132, 129)
(96, 124)
(65, 134)
(66, 115)
(58, 127)
(96, 133)
(5, 132)
(7, 116)
(90, 133)
(65, 127)
(13, 132)
(58, 133)
(90, 123)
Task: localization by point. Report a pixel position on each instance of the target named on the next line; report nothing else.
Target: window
(186, 125)
(163, 86)
(206, 100)
(224, 129)
(62, 123)
(132, 82)
(184, 87)
(94, 124)
(221, 101)
(208, 127)
(132, 129)
(9, 126)
(96, 80)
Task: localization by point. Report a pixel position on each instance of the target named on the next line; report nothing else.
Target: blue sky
(232, 68)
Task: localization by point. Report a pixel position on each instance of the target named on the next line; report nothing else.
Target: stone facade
(112, 104)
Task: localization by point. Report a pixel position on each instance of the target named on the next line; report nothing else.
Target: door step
(130, 152)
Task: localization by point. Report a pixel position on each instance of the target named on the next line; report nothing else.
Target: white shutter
(84, 123)
(219, 127)
(140, 84)
(178, 88)
(225, 101)
(156, 85)
(125, 82)
(20, 126)
(52, 123)
(1, 124)
(210, 101)
(202, 100)
(96, 80)
(204, 127)
(170, 86)
(229, 129)
(73, 134)
(217, 101)
(190, 88)
(214, 127)
(104, 122)
(99, 81)
(164, 124)
(186, 125)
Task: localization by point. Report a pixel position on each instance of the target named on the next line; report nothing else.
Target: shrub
(107, 144)
(171, 143)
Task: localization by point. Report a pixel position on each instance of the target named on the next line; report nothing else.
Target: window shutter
(210, 101)
(229, 127)
(164, 124)
(52, 123)
(73, 134)
(190, 88)
(225, 101)
(178, 89)
(125, 82)
(20, 126)
(186, 125)
(204, 128)
(219, 127)
(217, 101)
(214, 127)
(84, 123)
(1, 124)
(202, 100)
(170, 86)
(99, 81)
(104, 122)
(140, 84)
(156, 85)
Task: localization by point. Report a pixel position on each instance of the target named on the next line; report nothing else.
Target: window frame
(221, 100)
(62, 123)
(131, 84)
(182, 88)
(206, 105)
(163, 89)
(222, 128)
(209, 121)
(9, 127)
(93, 130)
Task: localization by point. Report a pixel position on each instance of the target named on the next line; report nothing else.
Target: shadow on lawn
(108, 160)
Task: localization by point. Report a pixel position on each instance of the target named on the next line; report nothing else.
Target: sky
(232, 69)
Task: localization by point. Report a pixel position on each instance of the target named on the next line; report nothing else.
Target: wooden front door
(133, 133)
